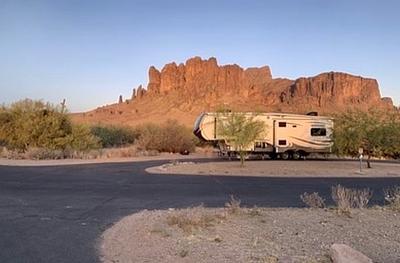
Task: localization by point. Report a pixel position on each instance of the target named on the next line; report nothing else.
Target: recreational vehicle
(286, 136)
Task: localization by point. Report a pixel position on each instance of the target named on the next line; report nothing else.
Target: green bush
(169, 137)
(30, 124)
(377, 132)
(114, 136)
(82, 139)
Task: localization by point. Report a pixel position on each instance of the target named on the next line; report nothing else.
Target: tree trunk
(242, 156)
(369, 161)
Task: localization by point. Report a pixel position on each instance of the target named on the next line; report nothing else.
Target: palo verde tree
(34, 124)
(377, 132)
(240, 131)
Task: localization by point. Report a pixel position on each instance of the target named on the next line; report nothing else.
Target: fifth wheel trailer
(287, 136)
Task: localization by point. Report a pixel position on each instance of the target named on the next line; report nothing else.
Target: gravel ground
(251, 235)
(310, 168)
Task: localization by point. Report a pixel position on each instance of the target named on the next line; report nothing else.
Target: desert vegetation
(32, 129)
(240, 130)
(167, 137)
(38, 130)
(376, 132)
(236, 233)
(392, 197)
(313, 200)
(44, 130)
(114, 136)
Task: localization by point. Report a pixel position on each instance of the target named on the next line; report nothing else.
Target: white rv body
(288, 135)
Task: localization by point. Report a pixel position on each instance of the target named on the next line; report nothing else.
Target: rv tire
(286, 156)
(273, 156)
(297, 155)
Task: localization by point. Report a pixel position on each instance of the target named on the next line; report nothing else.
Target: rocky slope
(183, 91)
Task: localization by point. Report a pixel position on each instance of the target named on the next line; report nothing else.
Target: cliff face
(334, 92)
(183, 91)
(198, 77)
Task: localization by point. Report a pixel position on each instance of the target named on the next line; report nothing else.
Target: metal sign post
(361, 151)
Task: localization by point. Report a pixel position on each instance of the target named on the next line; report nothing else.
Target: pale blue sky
(89, 52)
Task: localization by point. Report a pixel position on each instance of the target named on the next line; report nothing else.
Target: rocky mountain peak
(182, 91)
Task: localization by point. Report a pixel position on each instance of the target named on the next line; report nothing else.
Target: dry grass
(233, 206)
(46, 154)
(125, 152)
(348, 198)
(273, 236)
(161, 230)
(392, 197)
(313, 200)
(33, 153)
(255, 211)
(191, 220)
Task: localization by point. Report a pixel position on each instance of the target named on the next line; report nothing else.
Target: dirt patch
(280, 169)
(250, 235)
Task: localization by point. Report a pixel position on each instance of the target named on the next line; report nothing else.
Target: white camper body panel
(283, 132)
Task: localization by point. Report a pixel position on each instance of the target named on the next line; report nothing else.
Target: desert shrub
(255, 211)
(29, 123)
(377, 132)
(313, 200)
(192, 219)
(233, 206)
(168, 137)
(38, 130)
(392, 197)
(114, 136)
(150, 137)
(43, 154)
(348, 198)
(10, 154)
(81, 139)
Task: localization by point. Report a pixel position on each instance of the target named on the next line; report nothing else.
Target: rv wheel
(285, 156)
(297, 156)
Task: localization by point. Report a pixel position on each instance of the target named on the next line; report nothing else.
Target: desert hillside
(183, 91)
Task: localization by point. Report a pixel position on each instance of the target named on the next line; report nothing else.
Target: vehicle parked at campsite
(286, 136)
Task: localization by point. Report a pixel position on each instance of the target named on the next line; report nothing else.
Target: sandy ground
(162, 156)
(309, 168)
(252, 235)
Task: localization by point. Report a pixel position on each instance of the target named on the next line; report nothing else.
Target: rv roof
(280, 115)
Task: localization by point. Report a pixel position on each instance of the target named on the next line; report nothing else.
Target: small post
(361, 151)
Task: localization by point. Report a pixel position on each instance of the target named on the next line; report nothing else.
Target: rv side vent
(312, 113)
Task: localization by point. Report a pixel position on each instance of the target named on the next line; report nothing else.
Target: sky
(90, 52)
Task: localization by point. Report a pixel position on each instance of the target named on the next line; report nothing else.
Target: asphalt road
(56, 214)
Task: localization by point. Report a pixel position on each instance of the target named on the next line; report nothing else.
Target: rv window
(282, 142)
(318, 132)
(282, 124)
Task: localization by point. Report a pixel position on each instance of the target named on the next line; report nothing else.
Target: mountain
(183, 91)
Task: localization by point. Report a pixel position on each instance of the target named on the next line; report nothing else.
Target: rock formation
(205, 77)
(335, 90)
(183, 91)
